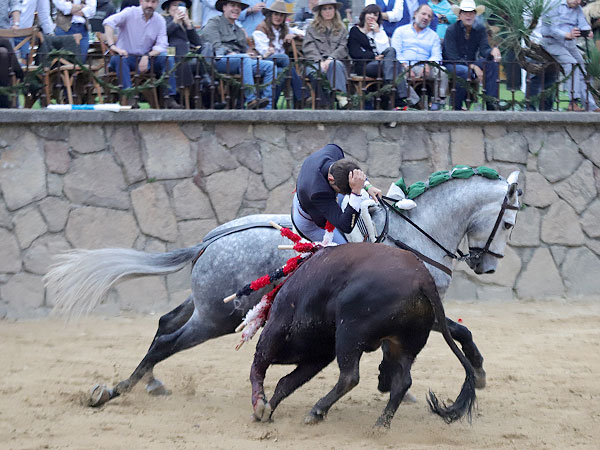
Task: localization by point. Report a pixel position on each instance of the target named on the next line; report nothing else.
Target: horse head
(489, 232)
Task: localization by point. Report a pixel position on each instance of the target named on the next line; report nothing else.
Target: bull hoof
(480, 378)
(99, 395)
(313, 418)
(409, 398)
(155, 387)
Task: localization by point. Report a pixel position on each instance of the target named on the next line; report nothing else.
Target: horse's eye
(508, 226)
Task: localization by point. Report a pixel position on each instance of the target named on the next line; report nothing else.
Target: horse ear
(512, 180)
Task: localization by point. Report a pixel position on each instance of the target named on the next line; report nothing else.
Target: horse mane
(439, 177)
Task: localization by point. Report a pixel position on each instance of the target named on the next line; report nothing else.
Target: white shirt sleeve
(63, 6)
(261, 42)
(89, 10)
(382, 41)
(43, 10)
(395, 14)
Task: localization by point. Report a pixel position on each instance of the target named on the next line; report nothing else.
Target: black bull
(345, 301)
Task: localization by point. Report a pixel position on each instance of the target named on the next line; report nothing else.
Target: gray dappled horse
(477, 207)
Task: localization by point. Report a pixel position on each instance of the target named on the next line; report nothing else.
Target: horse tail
(466, 399)
(80, 278)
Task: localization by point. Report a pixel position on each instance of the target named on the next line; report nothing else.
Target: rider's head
(338, 175)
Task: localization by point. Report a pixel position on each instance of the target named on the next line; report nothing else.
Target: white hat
(468, 5)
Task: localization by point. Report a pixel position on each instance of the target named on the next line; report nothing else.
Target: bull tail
(79, 279)
(466, 399)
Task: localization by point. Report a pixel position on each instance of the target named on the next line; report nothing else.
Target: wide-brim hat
(468, 5)
(166, 3)
(278, 7)
(220, 3)
(338, 5)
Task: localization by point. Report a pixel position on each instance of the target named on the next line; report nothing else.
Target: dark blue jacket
(317, 197)
(457, 48)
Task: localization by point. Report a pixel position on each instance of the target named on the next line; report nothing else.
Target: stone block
(248, 154)
(96, 180)
(440, 154)
(193, 131)
(558, 253)
(87, 138)
(527, 228)
(190, 202)
(353, 140)
(507, 271)
(126, 145)
(593, 245)
(23, 293)
(590, 220)
(580, 271)
(591, 149)
(580, 188)
(561, 226)
(91, 227)
(232, 134)
(461, 288)
(226, 191)
(385, 160)
(256, 188)
(511, 147)
(191, 232)
(302, 141)
(29, 225)
(277, 165)
(38, 258)
(540, 278)
(55, 185)
(143, 295)
(52, 132)
(536, 138)
(57, 156)
(167, 152)
(274, 134)
(153, 211)
(559, 157)
(179, 281)
(10, 251)
(22, 172)
(213, 157)
(467, 146)
(539, 191)
(280, 199)
(580, 133)
(5, 217)
(55, 211)
(416, 171)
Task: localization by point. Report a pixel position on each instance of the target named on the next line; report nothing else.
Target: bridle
(475, 253)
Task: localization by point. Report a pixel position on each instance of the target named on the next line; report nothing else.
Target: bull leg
(178, 330)
(348, 362)
(401, 382)
(292, 381)
(463, 336)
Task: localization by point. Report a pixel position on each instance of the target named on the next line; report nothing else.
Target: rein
(475, 253)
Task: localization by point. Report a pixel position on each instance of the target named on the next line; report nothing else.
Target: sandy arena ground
(542, 361)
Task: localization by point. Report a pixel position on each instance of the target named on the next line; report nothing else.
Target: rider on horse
(323, 175)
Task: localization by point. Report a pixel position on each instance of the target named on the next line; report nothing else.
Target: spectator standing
(9, 9)
(209, 10)
(10, 14)
(229, 41)
(464, 42)
(71, 18)
(253, 15)
(29, 8)
(141, 45)
(445, 16)
(561, 26)
(325, 43)
(270, 38)
(417, 42)
(369, 47)
(396, 13)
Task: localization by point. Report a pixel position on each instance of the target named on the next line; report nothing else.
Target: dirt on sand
(542, 361)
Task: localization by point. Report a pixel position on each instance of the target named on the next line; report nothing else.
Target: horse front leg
(463, 336)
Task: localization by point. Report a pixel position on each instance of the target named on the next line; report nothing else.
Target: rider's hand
(356, 179)
(374, 193)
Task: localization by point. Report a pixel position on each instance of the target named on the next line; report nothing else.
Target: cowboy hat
(220, 3)
(468, 5)
(166, 3)
(278, 7)
(338, 5)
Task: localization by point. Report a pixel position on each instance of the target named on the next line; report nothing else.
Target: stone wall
(156, 181)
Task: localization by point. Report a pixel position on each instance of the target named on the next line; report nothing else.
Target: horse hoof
(155, 387)
(313, 418)
(480, 378)
(409, 398)
(99, 395)
(260, 409)
(268, 411)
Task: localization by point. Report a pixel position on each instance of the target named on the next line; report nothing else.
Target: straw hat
(338, 5)
(220, 3)
(468, 5)
(278, 7)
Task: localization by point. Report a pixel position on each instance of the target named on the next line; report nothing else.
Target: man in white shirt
(71, 18)
(29, 8)
(417, 42)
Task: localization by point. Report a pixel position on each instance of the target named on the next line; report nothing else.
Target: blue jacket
(317, 197)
